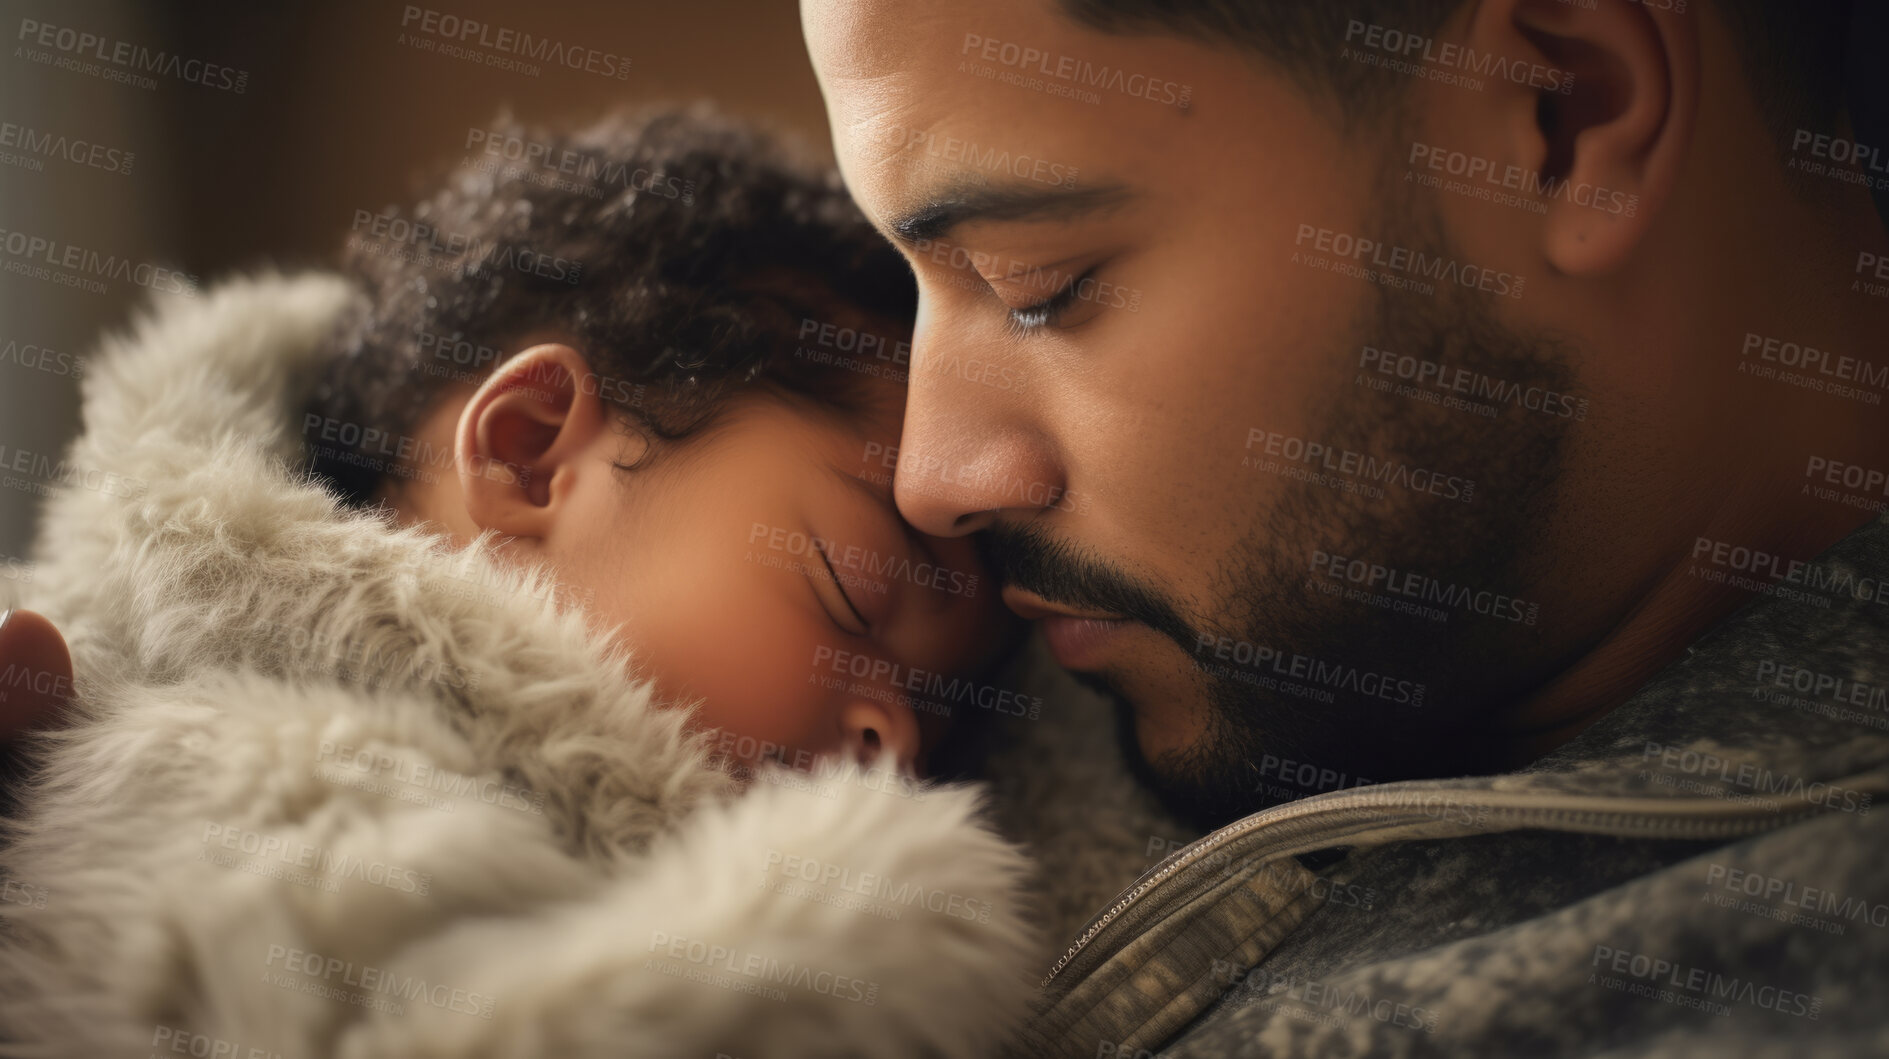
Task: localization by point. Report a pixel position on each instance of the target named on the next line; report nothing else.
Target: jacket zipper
(1641, 817)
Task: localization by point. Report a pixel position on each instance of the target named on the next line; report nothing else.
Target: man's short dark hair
(1792, 50)
(682, 251)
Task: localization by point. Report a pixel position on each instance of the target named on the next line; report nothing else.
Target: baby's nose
(869, 728)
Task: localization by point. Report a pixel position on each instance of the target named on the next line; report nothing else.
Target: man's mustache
(1025, 555)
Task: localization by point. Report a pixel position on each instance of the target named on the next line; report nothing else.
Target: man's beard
(1326, 721)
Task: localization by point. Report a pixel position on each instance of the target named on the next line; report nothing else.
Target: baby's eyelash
(834, 574)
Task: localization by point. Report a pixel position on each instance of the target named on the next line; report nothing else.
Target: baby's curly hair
(683, 251)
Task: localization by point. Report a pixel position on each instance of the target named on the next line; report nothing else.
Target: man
(1402, 389)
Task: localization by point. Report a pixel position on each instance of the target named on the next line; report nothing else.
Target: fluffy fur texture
(527, 834)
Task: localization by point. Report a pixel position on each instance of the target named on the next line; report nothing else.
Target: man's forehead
(967, 93)
(867, 39)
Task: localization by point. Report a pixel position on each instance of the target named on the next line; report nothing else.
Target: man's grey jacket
(1701, 872)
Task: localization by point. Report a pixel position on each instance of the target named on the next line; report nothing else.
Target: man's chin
(1184, 777)
(1233, 764)
(1197, 800)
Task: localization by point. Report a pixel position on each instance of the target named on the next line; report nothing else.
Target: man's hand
(35, 673)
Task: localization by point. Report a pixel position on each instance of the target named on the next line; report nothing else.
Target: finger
(35, 672)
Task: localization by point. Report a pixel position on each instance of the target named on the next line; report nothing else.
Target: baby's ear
(521, 440)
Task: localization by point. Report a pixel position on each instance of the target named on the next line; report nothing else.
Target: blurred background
(208, 137)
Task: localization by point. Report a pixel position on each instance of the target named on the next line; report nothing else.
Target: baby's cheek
(968, 636)
(764, 688)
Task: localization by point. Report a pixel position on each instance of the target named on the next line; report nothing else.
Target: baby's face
(763, 569)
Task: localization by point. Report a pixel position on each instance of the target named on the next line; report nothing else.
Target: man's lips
(1078, 639)
(1031, 607)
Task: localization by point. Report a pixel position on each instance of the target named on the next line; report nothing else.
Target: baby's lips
(36, 669)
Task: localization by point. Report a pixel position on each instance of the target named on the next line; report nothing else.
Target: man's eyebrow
(1002, 202)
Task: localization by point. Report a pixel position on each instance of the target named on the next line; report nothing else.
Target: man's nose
(869, 729)
(969, 452)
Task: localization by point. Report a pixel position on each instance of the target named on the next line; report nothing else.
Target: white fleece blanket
(337, 789)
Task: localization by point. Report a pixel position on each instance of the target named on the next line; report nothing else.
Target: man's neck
(1760, 500)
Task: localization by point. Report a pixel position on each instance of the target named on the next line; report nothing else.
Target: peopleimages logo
(294, 860)
(41, 257)
(504, 47)
(1846, 690)
(323, 971)
(1359, 467)
(1485, 174)
(1849, 484)
(1829, 578)
(1482, 394)
(977, 156)
(173, 1041)
(924, 473)
(551, 165)
(762, 968)
(397, 455)
(127, 60)
(1076, 73)
(1697, 986)
(19, 570)
(395, 236)
(1323, 1003)
(1684, 761)
(38, 473)
(880, 888)
(1791, 892)
(1810, 368)
(866, 560)
(335, 760)
(38, 144)
(39, 358)
(932, 686)
(1392, 264)
(1424, 589)
(12, 892)
(1250, 659)
(1840, 151)
(1417, 51)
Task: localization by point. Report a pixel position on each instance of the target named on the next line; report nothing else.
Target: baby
(441, 622)
(681, 409)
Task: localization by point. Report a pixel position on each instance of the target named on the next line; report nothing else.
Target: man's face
(1145, 362)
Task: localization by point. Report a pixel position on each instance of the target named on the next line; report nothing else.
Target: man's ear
(522, 439)
(1602, 134)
